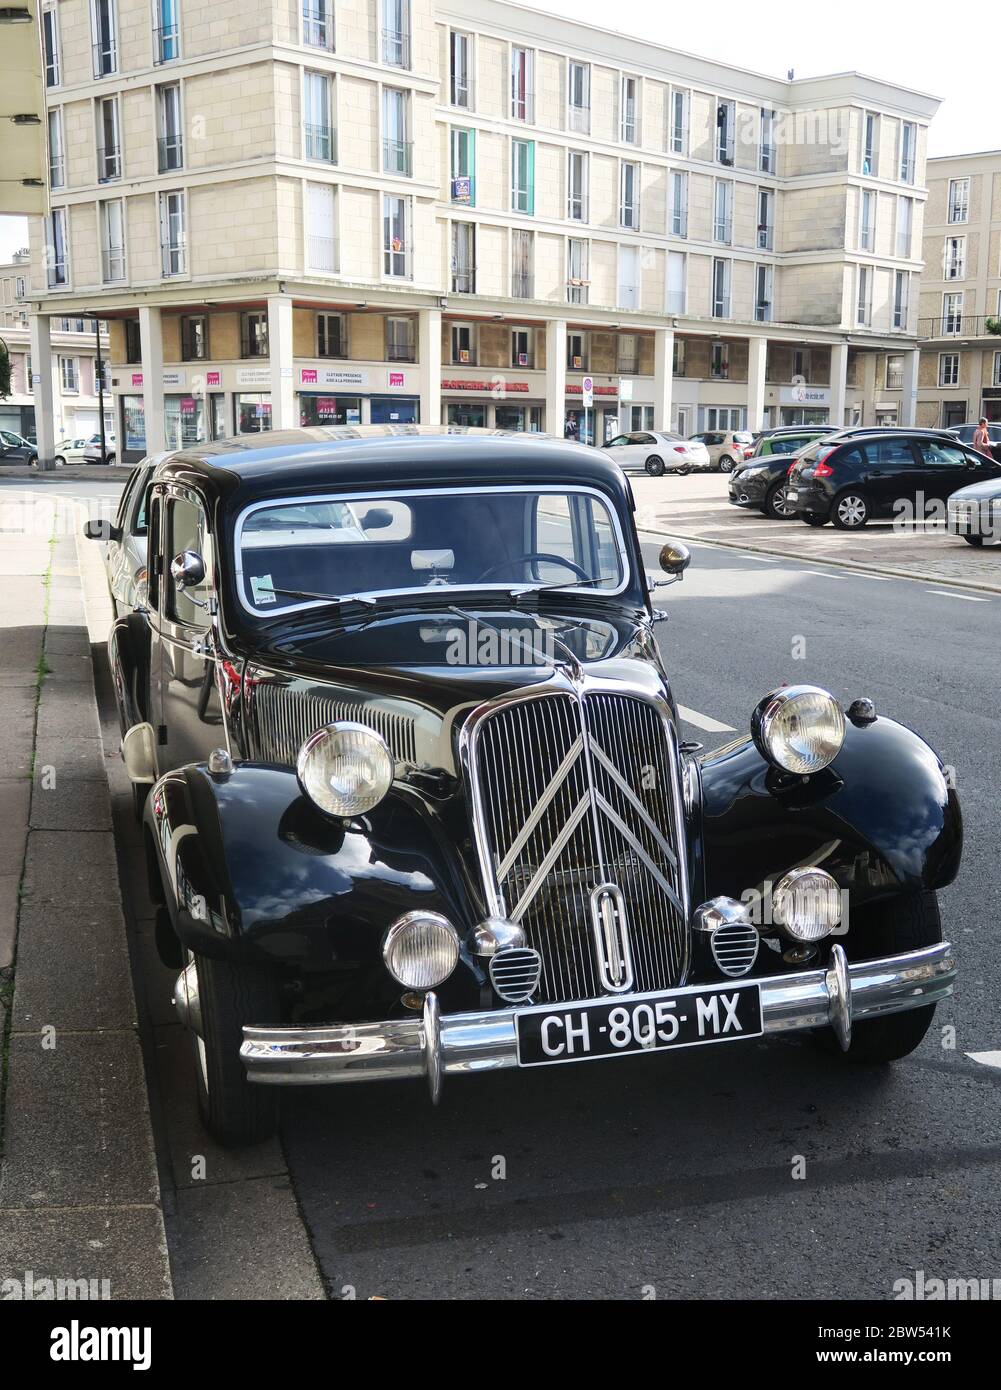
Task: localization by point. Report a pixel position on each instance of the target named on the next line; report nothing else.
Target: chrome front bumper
(432, 1046)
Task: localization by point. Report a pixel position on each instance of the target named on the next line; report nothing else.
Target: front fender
(128, 657)
(882, 818)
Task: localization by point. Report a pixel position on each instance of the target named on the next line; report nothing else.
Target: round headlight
(421, 949)
(807, 903)
(800, 729)
(346, 769)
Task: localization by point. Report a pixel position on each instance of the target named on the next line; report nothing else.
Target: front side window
(173, 238)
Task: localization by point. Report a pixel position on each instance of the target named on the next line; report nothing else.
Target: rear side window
(852, 456)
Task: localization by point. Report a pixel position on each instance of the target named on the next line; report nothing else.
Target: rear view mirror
(675, 558)
(187, 570)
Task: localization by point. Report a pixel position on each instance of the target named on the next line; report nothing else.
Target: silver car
(658, 452)
(125, 538)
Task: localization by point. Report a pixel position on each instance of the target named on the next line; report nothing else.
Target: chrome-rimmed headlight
(806, 904)
(800, 728)
(346, 769)
(421, 949)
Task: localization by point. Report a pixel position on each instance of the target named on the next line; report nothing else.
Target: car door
(891, 475)
(617, 448)
(947, 467)
(116, 549)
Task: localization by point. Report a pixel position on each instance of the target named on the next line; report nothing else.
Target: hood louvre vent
(283, 718)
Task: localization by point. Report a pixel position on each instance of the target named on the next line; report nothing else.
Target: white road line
(987, 1059)
(703, 721)
(967, 598)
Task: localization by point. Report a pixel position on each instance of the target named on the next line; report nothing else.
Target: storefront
(252, 411)
(316, 408)
(804, 405)
(395, 410)
(345, 395)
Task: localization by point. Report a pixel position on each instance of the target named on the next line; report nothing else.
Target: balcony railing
(629, 216)
(959, 213)
(721, 307)
(105, 57)
(396, 48)
(166, 45)
(172, 258)
(57, 272)
(628, 366)
(169, 153)
(113, 264)
(522, 286)
(397, 156)
(320, 143)
(907, 171)
(461, 91)
(629, 297)
(580, 120)
(766, 236)
(400, 350)
(947, 325)
(109, 163)
(464, 280)
(763, 311)
(577, 291)
(676, 301)
(321, 253)
(894, 381)
(577, 207)
(57, 171)
(723, 230)
(767, 160)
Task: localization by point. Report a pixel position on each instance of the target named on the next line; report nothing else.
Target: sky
(909, 44)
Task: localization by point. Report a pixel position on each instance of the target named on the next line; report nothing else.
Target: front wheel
(233, 1109)
(850, 511)
(60, 461)
(974, 540)
(889, 929)
(778, 505)
(655, 467)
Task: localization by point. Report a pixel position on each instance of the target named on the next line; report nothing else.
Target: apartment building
(959, 326)
(72, 367)
(344, 211)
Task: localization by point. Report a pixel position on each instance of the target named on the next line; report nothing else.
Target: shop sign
(137, 378)
(804, 395)
(253, 376)
(175, 378)
(498, 386)
(333, 376)
(397, 380)
(598, 390)
(213, 378)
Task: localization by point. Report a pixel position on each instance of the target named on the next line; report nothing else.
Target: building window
(133, 342)
(870, 143)
(863, 296)
(894, 373)
(318, 23)
(678, 358)
(321, 227)
(723, 212)
(396, 33)
(908, 148)
(522, 260)
(905, 224)
(331, 335)
(173, 239)
(170, 141)
(50, 44)
(166, 35)
(952, 313)
(579, 97)
(252, 410)
(959, 200)
(629, 195)
(194, 337)
(679, 122)
(56, 258)
(725, 122)
(763, 293)
(396, 147)
(628, 110)
(677, 213)
(320, 141)
(109, 148)
(103, 37)
(578, 282)
(954, 258)
(629, 277)
(766, 219)
(867, 221)
(676, 282)
(68, 373)
(996, 378)
(721, 289)
(463, 258)
(627, 357)
(801, 364)
(522, 347)
(576, 186)
(948, 369)
(460, 74)
(399, 340)
(463, 166)
(719, 361)
(57, 164)
(523, 176)
(522, 84)
(463, 339)
(766, 146)
(254, 334)
(112, 241)
(395, 237)
(577, 352)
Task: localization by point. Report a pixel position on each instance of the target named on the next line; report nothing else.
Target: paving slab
(15, 794)
(66, 711)
(67, 867)
(72, 970)
(126, 1248)
(20, 648)
(73, 806)
(9, 888)
(70, 760)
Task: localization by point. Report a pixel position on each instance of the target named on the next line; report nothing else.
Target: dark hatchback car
(759, 481)
(883, 475)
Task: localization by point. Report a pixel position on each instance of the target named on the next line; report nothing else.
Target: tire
(850, 510)
(110, 459)
(725, 464)
(33, 461)
(774, 500)
(233, 1109)
(812, 520)
(888, 929)
(655, 467)
(974, 540)
(60, 461)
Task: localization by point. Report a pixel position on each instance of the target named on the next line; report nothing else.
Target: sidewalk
(79, 1194)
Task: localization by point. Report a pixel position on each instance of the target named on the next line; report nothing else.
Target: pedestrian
(982, 438)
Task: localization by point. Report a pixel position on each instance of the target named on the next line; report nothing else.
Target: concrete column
(663, 379)
(284, 415)
(429, 356)
(151, 347)
(556, 377)
(839, 384)
(43, 390)
(757, 363)
(909, 393)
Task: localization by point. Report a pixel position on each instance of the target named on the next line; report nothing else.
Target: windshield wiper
(518, 594)
(323, 598)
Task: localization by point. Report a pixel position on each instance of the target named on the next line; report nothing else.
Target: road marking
(967, 598)
(703, 721)
(986, 1059)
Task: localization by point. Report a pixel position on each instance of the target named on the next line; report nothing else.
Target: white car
(92, 450)
(71, 450)
(658, 452)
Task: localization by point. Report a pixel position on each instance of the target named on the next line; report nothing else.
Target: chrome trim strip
(478, 1042)
(637, 848)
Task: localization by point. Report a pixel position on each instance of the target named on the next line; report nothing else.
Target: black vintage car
(416, 804)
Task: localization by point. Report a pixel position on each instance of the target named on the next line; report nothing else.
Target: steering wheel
(534, 555)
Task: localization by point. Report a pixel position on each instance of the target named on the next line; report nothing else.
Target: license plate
(791, 495)
(639, 1023)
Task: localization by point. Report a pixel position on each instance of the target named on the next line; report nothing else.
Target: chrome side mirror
(674, 560)
(187, 570)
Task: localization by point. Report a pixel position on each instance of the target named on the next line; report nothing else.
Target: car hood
(977, 492)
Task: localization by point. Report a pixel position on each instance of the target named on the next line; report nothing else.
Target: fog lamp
(806, 903)
(421, 949)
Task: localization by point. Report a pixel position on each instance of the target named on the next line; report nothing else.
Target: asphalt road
(673, 1176)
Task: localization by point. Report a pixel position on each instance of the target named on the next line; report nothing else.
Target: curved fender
(128, 657)
(251, 869)
(882, 818)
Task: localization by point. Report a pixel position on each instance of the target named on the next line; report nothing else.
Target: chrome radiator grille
(282, 719)
(576, 797)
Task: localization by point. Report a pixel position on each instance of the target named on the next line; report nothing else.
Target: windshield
(297, 552)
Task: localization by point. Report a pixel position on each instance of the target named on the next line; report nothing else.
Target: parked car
(125, 539)
(726, 447)
(92, 452)
(658, 452)
(759, 480)
(71, 450)
(975, 512)
(14, 448)
(965, 433)
(417, 804)
(874, 475)
(791, 429)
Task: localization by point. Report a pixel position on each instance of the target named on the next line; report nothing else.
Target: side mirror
(187, 570)
(101, 531)
(675, 559)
